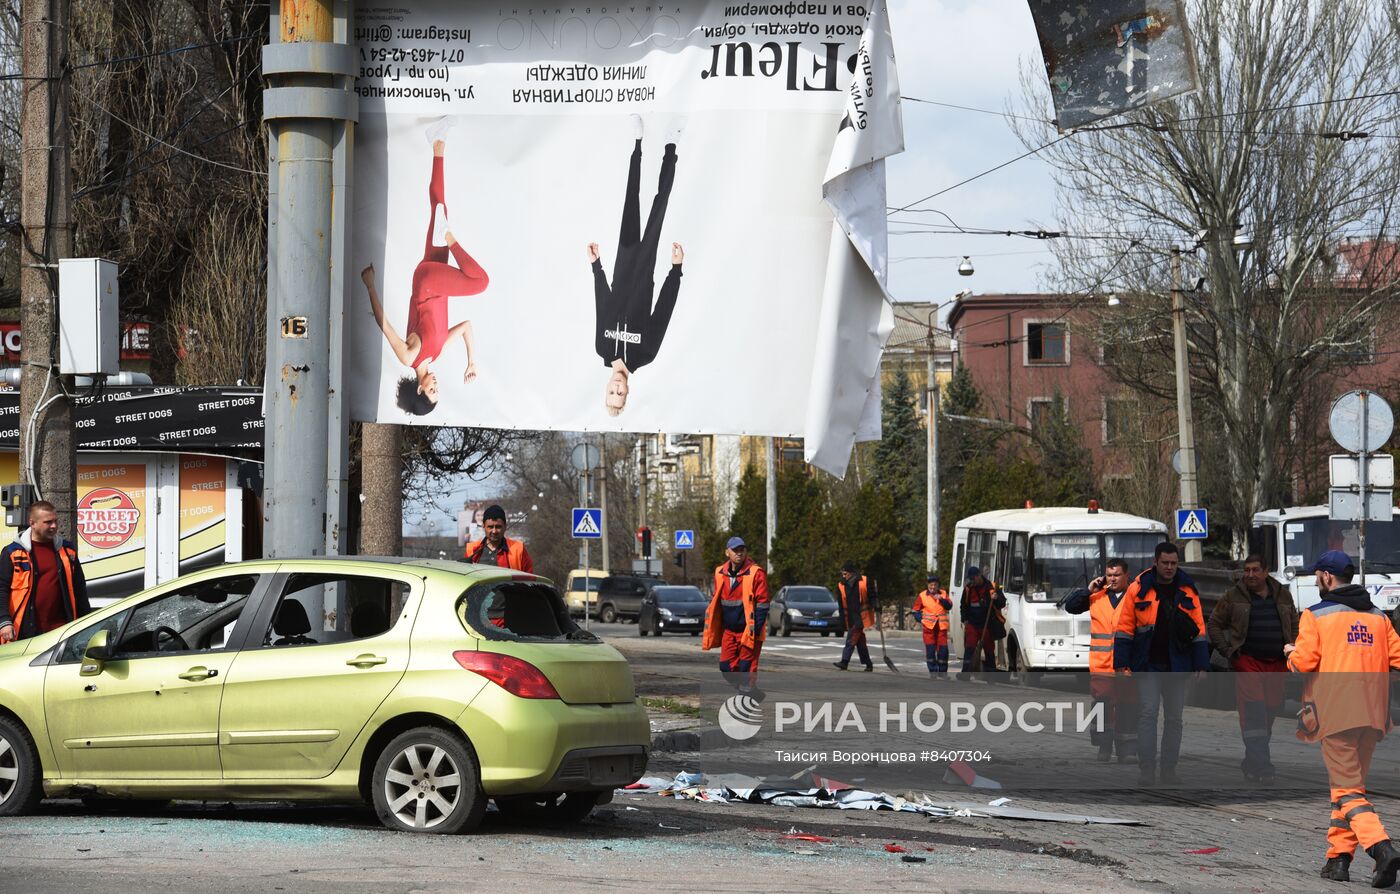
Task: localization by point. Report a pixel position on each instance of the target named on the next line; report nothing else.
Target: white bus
(1038, 556)
(1290, 539)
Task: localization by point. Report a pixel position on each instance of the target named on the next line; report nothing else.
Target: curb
(701, 738)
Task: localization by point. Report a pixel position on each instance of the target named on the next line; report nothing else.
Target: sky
(963, 52)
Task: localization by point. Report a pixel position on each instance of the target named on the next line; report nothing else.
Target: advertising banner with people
(667, 217)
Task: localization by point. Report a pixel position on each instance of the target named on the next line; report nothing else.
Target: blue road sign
(1191, 524)
(588, 524)
(685, 540)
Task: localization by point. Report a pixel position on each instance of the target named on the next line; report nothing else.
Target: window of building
(1040, 412)
(1119, 419)
(1047, 343)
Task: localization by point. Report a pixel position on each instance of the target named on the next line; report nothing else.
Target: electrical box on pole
(89, 327)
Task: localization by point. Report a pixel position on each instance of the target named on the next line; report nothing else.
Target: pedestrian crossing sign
(588, 524)
(1191, 524)
(685, 540)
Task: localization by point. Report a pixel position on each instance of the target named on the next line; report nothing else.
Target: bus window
(958, 555)
(1263, 539)
(1061, 563)
(1133, 547)
(1016, 571)
(981, 551)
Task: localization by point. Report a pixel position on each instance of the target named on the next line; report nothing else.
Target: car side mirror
(96, 655)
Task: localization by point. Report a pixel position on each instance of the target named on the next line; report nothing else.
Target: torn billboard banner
(602, 218)
(1106, 57)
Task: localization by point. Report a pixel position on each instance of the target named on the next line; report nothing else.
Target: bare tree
(1269, 143)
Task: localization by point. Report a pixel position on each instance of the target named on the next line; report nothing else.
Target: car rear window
(520, 610)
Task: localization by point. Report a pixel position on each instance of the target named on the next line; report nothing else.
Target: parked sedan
(422, 687)
(673, 610)
(805, 608)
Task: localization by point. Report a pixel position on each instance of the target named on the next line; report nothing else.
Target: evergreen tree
(750, 517)
(959, 443)
(900, 471)
(1066, 465)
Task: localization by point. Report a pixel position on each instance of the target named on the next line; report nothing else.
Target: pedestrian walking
(931, 609)
(44, 578)
(1249, 627)
(496, 548)
(858, 611)
(980, 607)
(737, 619)
(1161, 640)
(1349, 647)
(1103, 600)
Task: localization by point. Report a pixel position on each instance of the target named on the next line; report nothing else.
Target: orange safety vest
(516, 556)
(753, 589)
(867, 614)
(1103, 623)
(23, 579)
(1352, 652)
(931, 610)
(1137, 620)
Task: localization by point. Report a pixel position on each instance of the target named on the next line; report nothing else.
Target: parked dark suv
(805, 608)
(669, 609)
(620, 596)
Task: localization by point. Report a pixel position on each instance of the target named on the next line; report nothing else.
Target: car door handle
(199, 673)
(367, 661)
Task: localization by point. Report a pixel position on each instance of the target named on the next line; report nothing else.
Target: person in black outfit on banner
(629, 331)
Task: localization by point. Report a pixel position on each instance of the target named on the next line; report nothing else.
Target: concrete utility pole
(381, 512)
(771, 520)
(46, 439)
(1186, 429)
(931, 548)
(310, 111)
(603, 497)
(644, 446)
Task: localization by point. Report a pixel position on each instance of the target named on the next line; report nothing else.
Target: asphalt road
(1265, 839)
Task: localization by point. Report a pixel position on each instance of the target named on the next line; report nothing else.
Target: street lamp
(1113, 299)
(965, 268)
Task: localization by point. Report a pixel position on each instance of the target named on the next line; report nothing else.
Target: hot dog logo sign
(107, 518)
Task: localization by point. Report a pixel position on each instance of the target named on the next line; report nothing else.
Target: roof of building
(1006, 302)
(910, 335)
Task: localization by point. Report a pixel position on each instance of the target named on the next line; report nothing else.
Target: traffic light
(679, 559)
(646, 543)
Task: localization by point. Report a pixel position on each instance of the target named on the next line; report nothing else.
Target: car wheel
(787, 626)
(427, 780)
(569, 807)
(21, 782)
(642, 630)
(826, 633)
(608, 614)
(694, 633)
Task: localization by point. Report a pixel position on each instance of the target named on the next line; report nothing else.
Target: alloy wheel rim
(422, 786)
(9, 769)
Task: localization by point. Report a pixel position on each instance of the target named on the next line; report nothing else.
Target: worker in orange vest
(1103, 599)
(496, 548)
(737, 619)
(931, 608)
(1352, 646)
(857, 613)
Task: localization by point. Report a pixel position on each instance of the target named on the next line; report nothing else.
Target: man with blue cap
(1348, 648)
(737, 619)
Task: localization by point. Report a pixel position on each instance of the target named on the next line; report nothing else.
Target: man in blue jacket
(1161, 639)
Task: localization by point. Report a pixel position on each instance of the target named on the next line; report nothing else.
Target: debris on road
(893, 848)
(735, 788)
(1204, 850)
(961, 771)
(910, 858)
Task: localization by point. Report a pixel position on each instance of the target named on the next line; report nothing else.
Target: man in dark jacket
(980, 607)
(1161, 640)
(1249, 627)
(42, 577)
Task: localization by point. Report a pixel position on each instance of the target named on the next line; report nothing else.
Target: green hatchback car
(422, 687)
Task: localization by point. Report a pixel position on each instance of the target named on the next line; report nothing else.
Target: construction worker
(857, 611)
(1346, 706)
(931, 608)
(1102, 599)
(981, 603)
(45, 579)
(1249, 627)
(1161, 640)
(737, 619)
(496, 548)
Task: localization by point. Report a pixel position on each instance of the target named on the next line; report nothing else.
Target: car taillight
(520, 678)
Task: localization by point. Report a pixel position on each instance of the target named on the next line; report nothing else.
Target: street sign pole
(1365, 492)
